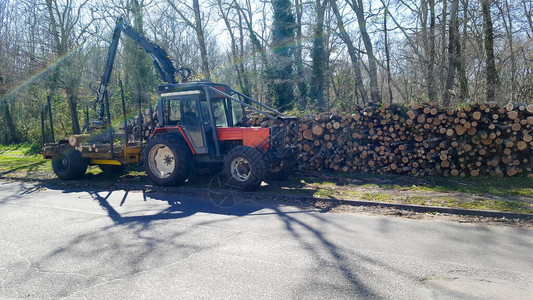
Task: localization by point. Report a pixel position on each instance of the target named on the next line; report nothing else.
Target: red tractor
(201, 126)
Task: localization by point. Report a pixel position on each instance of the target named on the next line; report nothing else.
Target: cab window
(219, 110)
(237, 113)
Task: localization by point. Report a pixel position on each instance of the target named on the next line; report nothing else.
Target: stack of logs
(149, 123)
(422, 140)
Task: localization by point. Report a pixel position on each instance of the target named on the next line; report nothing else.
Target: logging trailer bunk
(200, 126)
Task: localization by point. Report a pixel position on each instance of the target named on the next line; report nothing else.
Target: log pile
(422, 140)
(149, 122)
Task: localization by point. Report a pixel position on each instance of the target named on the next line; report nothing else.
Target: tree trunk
(236, 59)
(246, 87)
(387, 53)
(461, 69)
(74, 114)
(431, 58)
(357, 6)
(508, 24)
(12, 136)
(528, 14)
(302, 84)
(318, 55)
(443, 43)
(283, 57)
(352, 51)
(488, 42)
(201, 39)
(452, 52)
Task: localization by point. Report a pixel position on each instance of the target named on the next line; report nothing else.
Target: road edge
(272, 196)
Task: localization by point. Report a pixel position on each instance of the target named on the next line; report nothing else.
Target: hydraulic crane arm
(159, 56)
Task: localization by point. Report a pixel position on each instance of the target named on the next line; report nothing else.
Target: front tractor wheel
(244, 167)
(68, 164)
(167, 160)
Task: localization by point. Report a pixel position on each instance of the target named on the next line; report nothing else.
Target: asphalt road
(117, 245)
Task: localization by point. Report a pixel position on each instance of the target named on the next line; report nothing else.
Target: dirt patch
(376, 210)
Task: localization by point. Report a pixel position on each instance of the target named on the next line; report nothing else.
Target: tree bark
(318, 55)
(352, 52)
(302, 85)
(508, 24)
(461, 69)
(452, 52)
(488, 42)
(74, 114)
(357, 6)
(236, 58)
(387, 53)
(431, 58)
(201, 39)
(10, 123)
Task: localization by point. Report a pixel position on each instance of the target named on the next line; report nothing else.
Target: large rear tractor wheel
(68, 164)
(167, 159)
(244, 168)
(281, 170)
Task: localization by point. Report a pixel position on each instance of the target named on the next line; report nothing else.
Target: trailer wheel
(68, 163)
(244, 167)
(167, 159)
(112, 170)
(280, 170)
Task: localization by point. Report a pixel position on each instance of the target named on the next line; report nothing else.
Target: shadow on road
(179, 207)
(167, 235)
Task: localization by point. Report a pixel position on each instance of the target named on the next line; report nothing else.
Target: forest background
(295, 55)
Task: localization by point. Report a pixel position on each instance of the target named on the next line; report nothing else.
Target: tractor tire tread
(256, 161)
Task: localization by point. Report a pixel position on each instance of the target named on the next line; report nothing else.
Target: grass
(459, 202)
(431, 191)
(18, 159)
(517, 186)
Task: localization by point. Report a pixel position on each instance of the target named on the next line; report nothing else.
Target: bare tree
(68, 33)
(358, 8)
(461, 69)
(453, 42)
(507, 20)
(198, 26)
(387, 52)
(225, 11)
(352, 52)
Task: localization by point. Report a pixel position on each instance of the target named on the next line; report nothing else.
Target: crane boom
(159, 56)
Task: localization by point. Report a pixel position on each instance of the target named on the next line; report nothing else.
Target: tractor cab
(199, 115)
